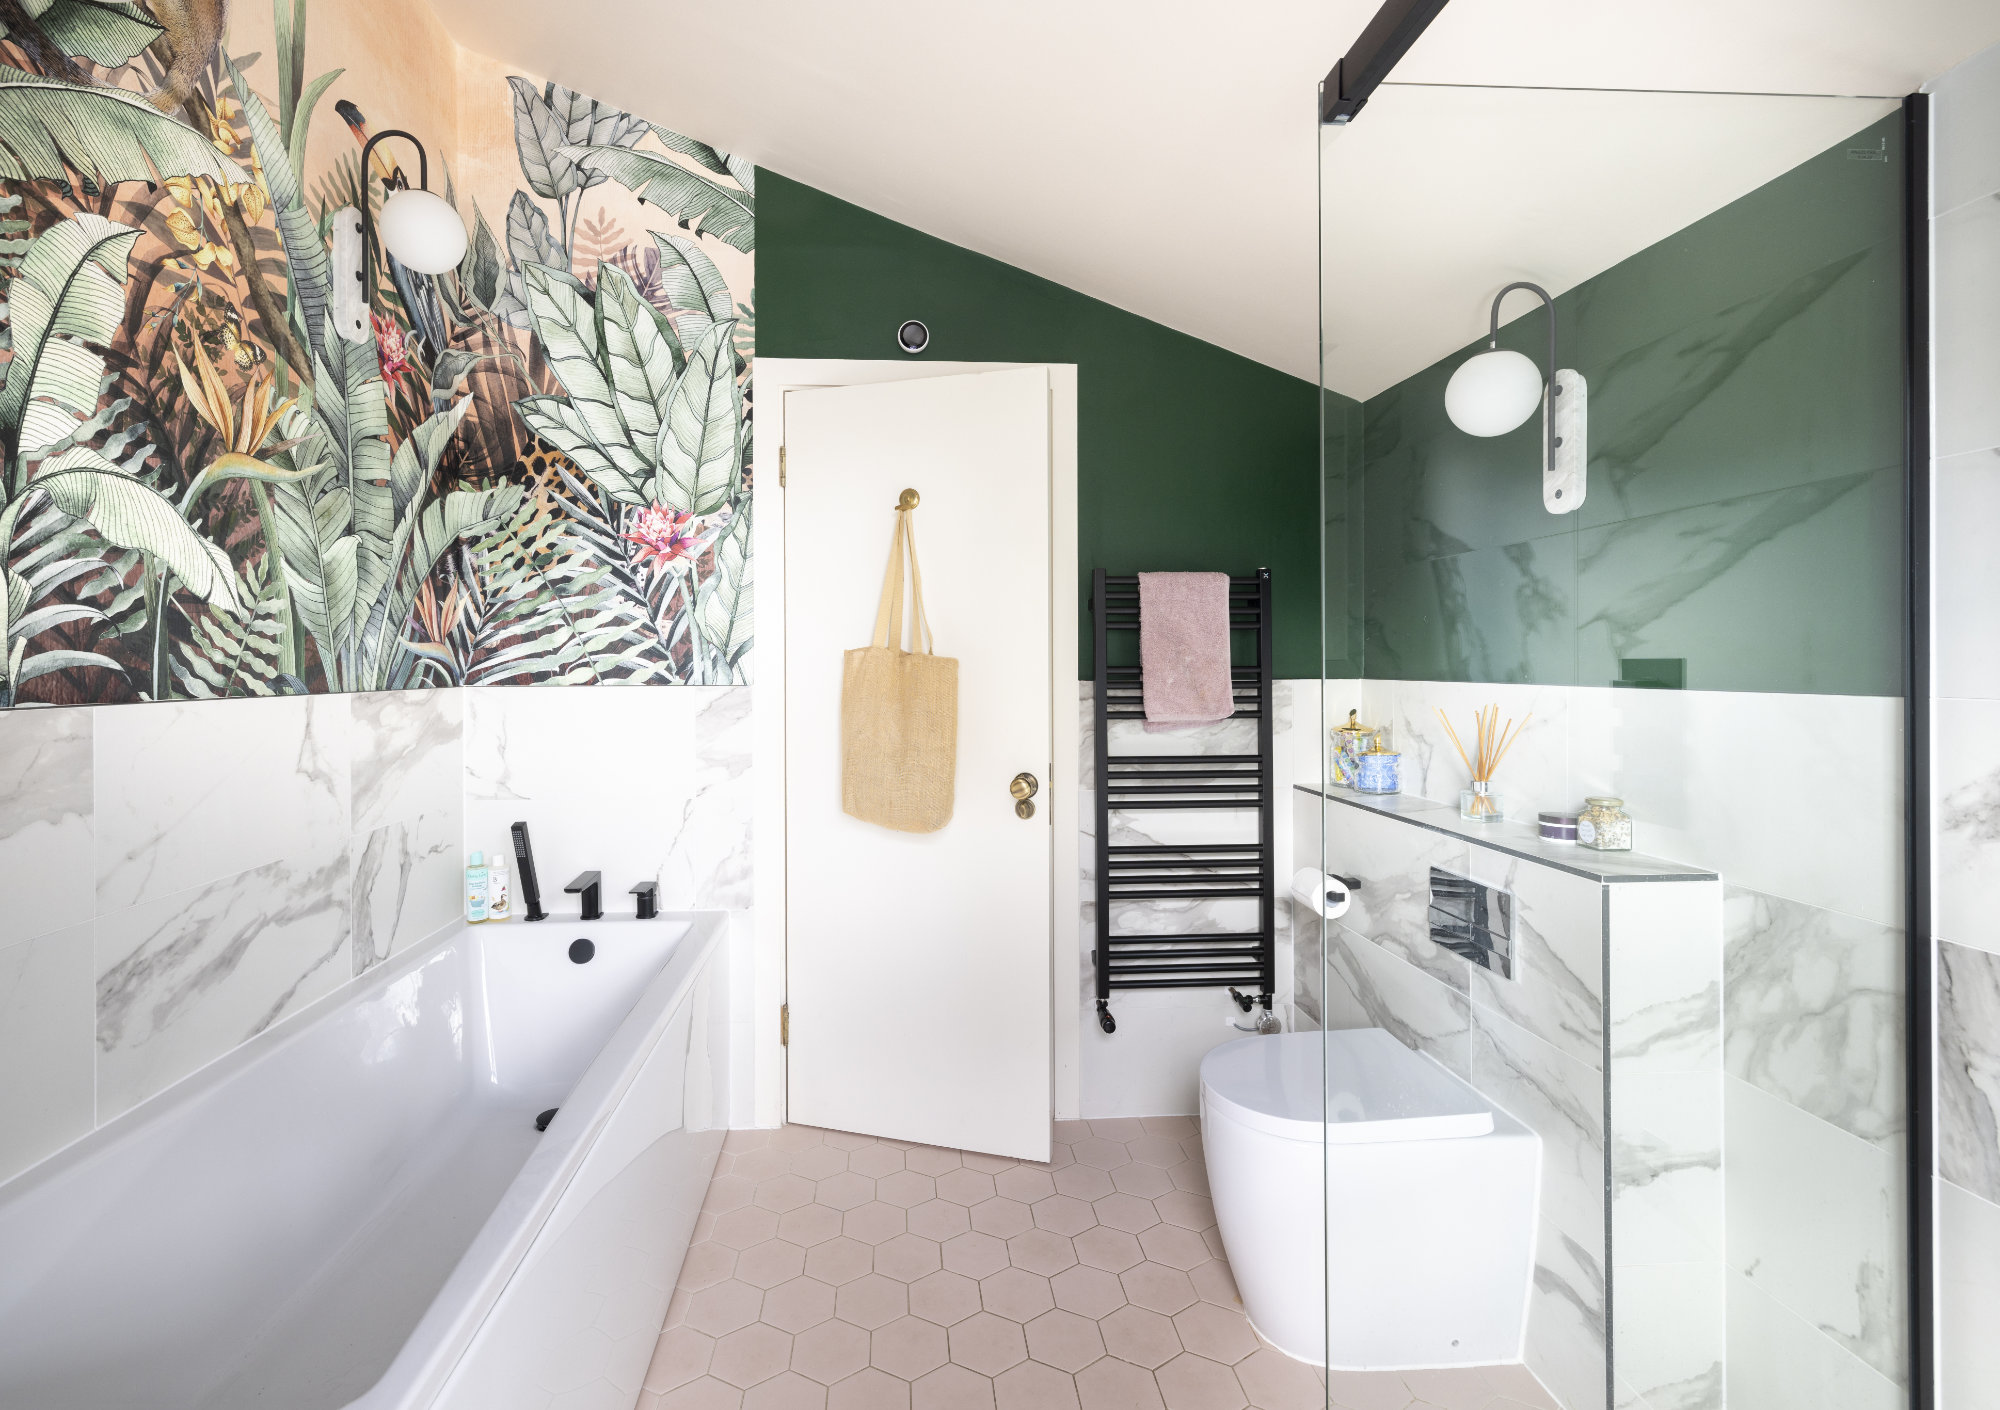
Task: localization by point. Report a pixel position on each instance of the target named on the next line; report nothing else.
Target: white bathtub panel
(46, 1057)
(190, 792)
(46, 871)
(183, 979)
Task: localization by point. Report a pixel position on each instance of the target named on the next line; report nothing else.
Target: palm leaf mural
(49, 129)
(103, 32)
(305, 252)
(701, 436)
(722, 606)
(700, 203)
(693, 285)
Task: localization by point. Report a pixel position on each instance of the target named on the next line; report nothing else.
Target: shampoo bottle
(498, 904)
(475, 887)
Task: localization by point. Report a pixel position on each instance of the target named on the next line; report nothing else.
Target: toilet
(1420, 1191)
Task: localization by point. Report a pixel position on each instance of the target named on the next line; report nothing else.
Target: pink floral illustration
(664, 535)
(391, 347)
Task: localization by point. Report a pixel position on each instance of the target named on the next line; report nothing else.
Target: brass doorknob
(1024, 786)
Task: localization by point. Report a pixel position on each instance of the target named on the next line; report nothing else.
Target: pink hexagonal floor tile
(1190, 1382)
(1274, 1380)
(908, 1257)
(870, 1389)
(1190, 1211)
(846, 1190)
(705, 1394)
(1158, 1287)
(875, 1161)
(1218, 1333)
(681, 1356)
(1143, 1337)
(787, 1391)
(988, 1344)
(908, 1347)
(1111, 1249)
(796, 1305)
(1190, 1175)
(1024, 1183)
(990, 1164)
(1118, 1128)
(1172, 1245)
(1105, 1155)
(787, 1191)
(1180, 1128)
(1034, 1386)
(819, 1162)
(871, 1301)
(1088, 1292)
(1145, 1181)
(1016, 1294)
(1064, 1340)
(944, 1298)
(1112, 1384)
(975, 1255)
(1062, 1215)
(765, 1164)
(849, 1140)
(742, 1228)
(1162, 1151)
(1042, 1251)
(905, 1188)
(724, 1308)
(830, 1352)
(770, 1263)
(1127, 1212)
(952, 1388)
(930, 1160)
(839, 1261)
(1214, 1283)
(706, 1265)
(966, 1187)
(808, 1225)
(1084, 1182)
(1002, 1218)
(939, 1219)
(874, 1222)
(727, 1192)
(750, 1354)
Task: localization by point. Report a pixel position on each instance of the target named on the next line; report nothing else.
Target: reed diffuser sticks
(1492, 743)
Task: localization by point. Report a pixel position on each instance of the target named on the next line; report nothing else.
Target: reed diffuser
(1482, 802)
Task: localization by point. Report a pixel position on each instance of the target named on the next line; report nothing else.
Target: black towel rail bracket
(1244, 962)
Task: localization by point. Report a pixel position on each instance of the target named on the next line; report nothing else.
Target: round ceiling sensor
(913, 337)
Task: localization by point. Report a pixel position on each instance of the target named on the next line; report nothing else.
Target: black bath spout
(587, 884)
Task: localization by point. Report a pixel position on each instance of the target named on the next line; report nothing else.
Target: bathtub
(356, 1209)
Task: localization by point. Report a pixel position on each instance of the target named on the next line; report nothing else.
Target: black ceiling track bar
(1235, 872)
(1356, 74)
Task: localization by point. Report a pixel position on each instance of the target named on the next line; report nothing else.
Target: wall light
(419, 228)
(1495, 391)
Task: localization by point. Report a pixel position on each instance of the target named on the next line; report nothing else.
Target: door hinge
(781, 467)
(784, 1025)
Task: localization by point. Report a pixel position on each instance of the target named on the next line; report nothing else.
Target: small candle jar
(1379, 772)
(1558, 827)
(1482, 802)
(1604, 825)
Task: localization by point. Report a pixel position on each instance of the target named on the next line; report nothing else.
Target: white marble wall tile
(1565, 1344)
(408, 884)
(47, 1057)
(638, 784)
(1815, 1221)
(1667, 1168)
(1392, 860)
(1669, 1334)
(1965, 330)
(1814, 1011)
(1965, 113)
(46, 870)
(1779, 1361)
(1535, 772)
(1562, 1101)
(1556, 991)
(408, 758)
(1666, 977)
(1968, 1300)
(1968, 1068)
(188, 793)
(1368, 987)
(1967, 750)
(1965, 603)
(1308, 988)
(184, 978)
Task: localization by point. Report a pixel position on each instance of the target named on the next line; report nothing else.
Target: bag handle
(889, 616)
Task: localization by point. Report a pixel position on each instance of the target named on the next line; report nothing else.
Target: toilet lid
(1368, 1086)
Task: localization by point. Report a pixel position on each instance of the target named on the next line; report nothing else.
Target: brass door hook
(907, 500)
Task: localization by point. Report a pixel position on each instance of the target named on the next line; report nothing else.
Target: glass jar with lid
(1350, 742)
(1604, 825)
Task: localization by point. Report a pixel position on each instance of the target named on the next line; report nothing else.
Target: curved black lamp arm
(1493, 341)
(423, 184)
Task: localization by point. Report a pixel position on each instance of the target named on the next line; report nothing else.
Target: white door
(918, 964)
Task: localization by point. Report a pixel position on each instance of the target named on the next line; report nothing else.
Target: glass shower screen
(1668, 616)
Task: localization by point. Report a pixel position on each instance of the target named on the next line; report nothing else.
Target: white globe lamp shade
(423, 231)
(1493, 392)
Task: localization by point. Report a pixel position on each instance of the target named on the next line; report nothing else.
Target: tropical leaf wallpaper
(532, 469)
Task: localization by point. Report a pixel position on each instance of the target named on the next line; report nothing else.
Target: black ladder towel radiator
(1174, 782)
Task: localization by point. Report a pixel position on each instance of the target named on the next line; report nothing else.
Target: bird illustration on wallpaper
(533, 468)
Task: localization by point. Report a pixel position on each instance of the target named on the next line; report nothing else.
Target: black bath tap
(587, 884)
(648, 893)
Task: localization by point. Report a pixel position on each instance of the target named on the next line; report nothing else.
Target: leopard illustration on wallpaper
(534, 468)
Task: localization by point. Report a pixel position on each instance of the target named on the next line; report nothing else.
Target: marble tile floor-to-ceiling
(839, 1272)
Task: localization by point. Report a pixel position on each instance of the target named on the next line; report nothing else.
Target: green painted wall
(1188, 457)
(1746, 465)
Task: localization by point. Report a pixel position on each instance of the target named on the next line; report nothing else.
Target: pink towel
(1184, 647)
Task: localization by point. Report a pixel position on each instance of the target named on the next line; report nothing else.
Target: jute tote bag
(899, 712)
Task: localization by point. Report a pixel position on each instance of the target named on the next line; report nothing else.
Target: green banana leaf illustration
(698, 202)
(102, 31)
(49, 128)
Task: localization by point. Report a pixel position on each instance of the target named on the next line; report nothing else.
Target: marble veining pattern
(186, 793)
(1565, 1344)
(1562, 1100)
(1814, 1011)
(1557, 988)
(407, 885)
(183, 979)
(1367, 987)
(45, 827)
(1968, 1069)
(1968, 820)
(407, 754)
